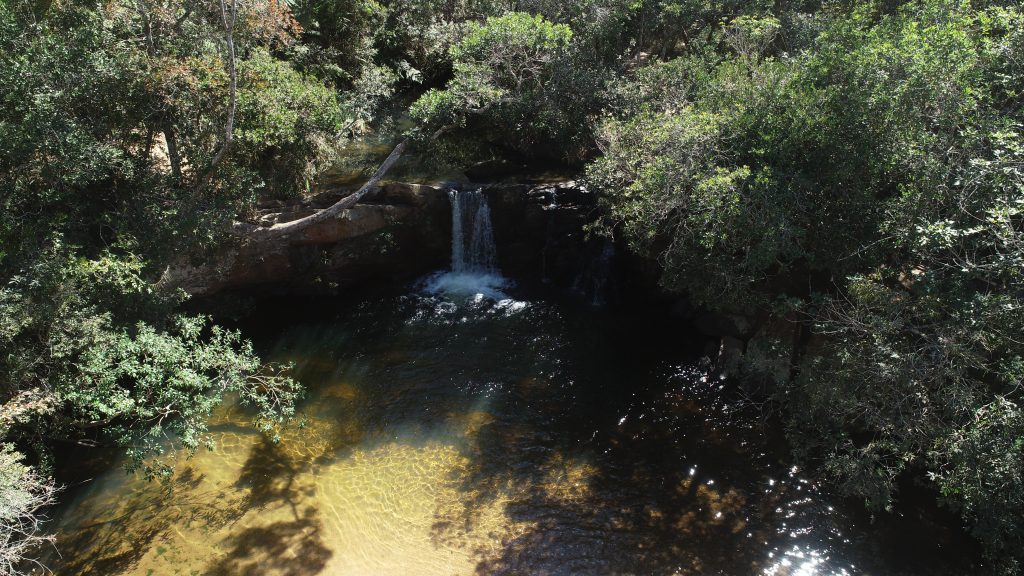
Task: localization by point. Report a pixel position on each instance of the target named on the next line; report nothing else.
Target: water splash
(474, 267)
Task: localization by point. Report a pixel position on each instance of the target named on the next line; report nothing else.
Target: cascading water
(474, 270)
(475, 253)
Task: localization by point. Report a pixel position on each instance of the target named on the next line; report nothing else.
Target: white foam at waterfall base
(468, 284)
(474, 271)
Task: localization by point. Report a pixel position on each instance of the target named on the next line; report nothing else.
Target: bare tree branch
(282, 230)
(24, 495)
(229, 15)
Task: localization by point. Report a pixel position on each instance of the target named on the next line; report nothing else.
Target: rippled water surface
(468, 436)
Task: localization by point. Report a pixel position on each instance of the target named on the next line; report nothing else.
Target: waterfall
(475, 253)
(474, 268)
(458, 238)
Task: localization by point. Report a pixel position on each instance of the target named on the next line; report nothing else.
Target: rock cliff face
(397, 233)
(400, 232)
(540, 230)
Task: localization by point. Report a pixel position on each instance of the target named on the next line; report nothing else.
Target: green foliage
(111, 115)
(96, 135)
(84, 371)
(514, 45)
(285, 123)
(23, 493)
(418, 35)
(919, 353)
(856, 165)
(555, 118)
(884, 157)
(372, 49)
(719, 170)
(340, 36)
(510, 88)
(58, 105)
(983, 477)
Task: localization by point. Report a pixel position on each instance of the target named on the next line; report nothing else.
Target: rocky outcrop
(762, 348)
(491, 170)
(541, 230)
(397, 231)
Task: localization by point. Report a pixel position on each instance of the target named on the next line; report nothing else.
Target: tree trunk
(280, 231)
(253, 239)
(172, 150)
(229, 15)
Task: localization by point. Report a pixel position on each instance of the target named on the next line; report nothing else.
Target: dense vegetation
(855, 168)
(871, 183)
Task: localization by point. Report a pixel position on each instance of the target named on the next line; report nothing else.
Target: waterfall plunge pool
(454, 436)
(465, 426)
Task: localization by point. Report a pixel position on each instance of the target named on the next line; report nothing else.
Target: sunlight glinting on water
(457, 431)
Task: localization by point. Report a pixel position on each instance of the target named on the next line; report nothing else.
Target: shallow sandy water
(449, 438)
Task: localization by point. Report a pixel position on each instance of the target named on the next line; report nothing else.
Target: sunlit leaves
(111, 378)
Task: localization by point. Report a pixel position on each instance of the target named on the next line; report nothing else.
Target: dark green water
(528, 436)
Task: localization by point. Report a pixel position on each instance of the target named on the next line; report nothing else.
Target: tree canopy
(856, 168)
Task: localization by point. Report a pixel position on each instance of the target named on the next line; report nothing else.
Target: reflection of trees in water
(139, 520)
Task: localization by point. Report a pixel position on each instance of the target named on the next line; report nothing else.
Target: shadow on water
(592, 458)
(269, 477)
(565, 432)
(489, 438)
(291, 548)
(605, 443)
(623, 475)
(134, 524)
